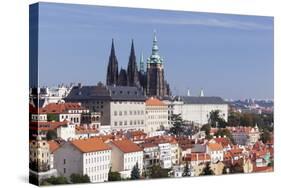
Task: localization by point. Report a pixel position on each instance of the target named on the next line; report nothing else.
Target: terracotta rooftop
(90, 145)
(53, 145)
(154, 102)
(215, 146)
(46, 125)
(126, 146)
(57, 108)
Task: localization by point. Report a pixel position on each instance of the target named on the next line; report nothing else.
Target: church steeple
(132, 70)
(142, 69)
(154, 45)
(112, 67)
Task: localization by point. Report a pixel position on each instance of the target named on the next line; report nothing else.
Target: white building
(121, 107)
(150, 155)
(125, 155)
(215, 152)
(165, 155)
(197, 109)
(66, 131)
(156, 115)
(86, 157)
(65, 112)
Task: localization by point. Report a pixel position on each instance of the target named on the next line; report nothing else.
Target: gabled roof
(90, 145)
(215, 146)
(57, 108)
(53, 146)
(126, 146)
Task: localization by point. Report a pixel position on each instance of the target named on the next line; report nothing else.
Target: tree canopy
(78, 178)
(135, 173)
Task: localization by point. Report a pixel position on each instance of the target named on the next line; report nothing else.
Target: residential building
(156, 115)
(125, 155)
(90, 157)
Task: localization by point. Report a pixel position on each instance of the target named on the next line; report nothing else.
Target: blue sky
(228, 55)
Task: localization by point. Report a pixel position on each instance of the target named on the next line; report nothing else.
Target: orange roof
(154, 102)
(57, 108)
(215, 146)
(53, 145)
(90, 145)
(126, 146)
(46, 125)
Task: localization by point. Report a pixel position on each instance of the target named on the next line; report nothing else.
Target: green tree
(157, 172)
(135, 173)
(265, 136)
(226, 133)
(207, 170)
(214, 118)
(236, 168)
(216, 121)
(247, 119)
(78, 178)
(207, 128)
(55, 181)
(113, 176)
(52, 117)
(186, 171)
(177, 122)
(51, 135)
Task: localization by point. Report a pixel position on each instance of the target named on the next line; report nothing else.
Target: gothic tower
(156, 84)
(132, 70)
(112, 68)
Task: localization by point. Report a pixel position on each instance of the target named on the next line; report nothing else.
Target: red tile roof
(90, 145)
(215, 146)
(126, 146)
(53, 145)
(154, 102)
(46, 125)
(58, 108)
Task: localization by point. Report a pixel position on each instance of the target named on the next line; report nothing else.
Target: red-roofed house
(215, 151)
(125, 155)
(65, 111)
(85, 156)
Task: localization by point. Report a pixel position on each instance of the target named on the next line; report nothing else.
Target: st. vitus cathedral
(151, 81)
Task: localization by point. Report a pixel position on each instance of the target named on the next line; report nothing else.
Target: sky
(230, 56)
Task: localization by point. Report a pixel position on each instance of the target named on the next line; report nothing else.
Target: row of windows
(157, 123)
(133, 159)
(97, 153)
(135, 112)
(126, 102)
(97, 159)
(158, 117)
(131, 122)
(97, 168)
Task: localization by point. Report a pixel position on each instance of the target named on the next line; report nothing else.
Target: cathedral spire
(141, 64)
(112, 67)
(132, 70)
